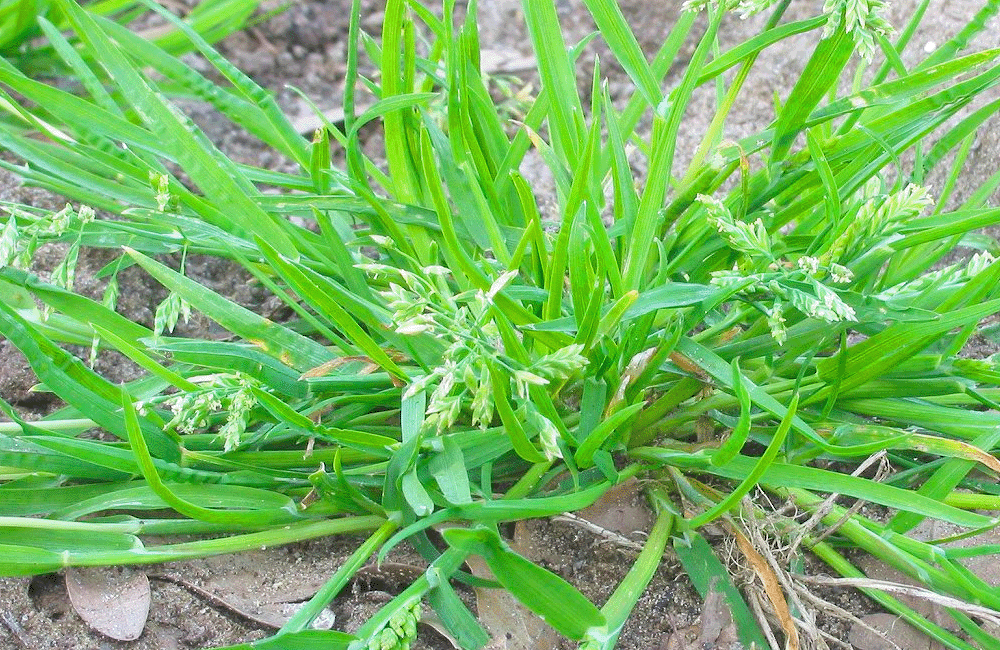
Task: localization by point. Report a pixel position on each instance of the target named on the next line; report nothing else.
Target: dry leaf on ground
(622, 509)
(113, 601)
(715, 629)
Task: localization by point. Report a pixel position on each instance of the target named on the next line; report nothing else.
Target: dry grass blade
(772, 587)
(985, 613)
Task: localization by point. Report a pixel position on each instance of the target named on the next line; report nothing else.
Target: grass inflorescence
(766, 319)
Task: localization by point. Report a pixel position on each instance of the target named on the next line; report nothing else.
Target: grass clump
(458, 358)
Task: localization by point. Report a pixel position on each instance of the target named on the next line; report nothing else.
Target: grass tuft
(763, 321)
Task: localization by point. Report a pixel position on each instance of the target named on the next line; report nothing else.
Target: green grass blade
(600, 434)
(751, 479)
(208, 168)
(22, 452)
(249, 517)
(281, 343)
(82, 308)
(80, 69)
(543, 592)
(649, 221)
(708, 574)
(286, 137)
(755, 45)
(619, 605)
(321, 298)
(620, 39)
(884, 351)
(69, 378)
(29, 560)
(779, 474)
(558, 79)
(734, 443)
(305, 614)
(820, 74)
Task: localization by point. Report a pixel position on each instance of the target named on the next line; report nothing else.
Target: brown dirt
(305, 47)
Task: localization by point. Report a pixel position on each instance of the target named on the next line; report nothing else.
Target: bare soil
(305, 47)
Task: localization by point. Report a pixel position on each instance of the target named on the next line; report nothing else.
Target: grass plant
(764, 320)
